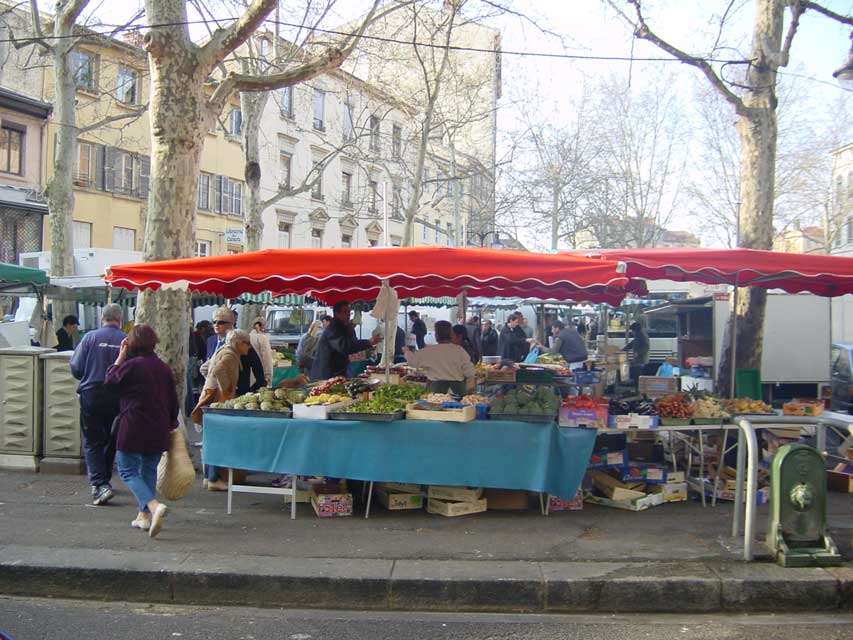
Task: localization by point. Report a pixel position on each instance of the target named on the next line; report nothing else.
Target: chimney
(134, 38)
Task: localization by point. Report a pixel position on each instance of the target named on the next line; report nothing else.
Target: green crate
(748, 384)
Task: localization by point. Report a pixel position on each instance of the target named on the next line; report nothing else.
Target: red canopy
(793, 272)
(415, 272)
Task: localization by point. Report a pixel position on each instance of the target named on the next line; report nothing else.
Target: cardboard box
(317, 411)
(613, 488)
(556, 504)
(658, 386)
(586, 418)
(302, 496)
(675, 476)
(840, 478)
(648, 473)
(332, 505)
(453, 509)
(671, 491)
(399, 501)
(603, 459)
(637, 504)
(507, 499)
(466, 413)
(459, 494)
(399, 487)
(762, 496)
(633, 421)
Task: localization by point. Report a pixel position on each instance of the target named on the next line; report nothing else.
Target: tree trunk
(252, 105)
(757, 129)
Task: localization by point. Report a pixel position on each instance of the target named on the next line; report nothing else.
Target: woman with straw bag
(148, 414)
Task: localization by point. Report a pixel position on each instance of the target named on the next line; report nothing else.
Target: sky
(590, 28)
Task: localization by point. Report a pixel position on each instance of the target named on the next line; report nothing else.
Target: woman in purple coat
(149, 412)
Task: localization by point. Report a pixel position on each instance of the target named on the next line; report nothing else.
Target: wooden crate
(453, 509)
(467, 413)
(458, 494)
(493, 375)
(399, 501)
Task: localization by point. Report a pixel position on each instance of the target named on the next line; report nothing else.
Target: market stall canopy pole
(821, 275)
(357, 274)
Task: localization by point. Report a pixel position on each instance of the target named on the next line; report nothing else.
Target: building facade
(840, 229)
(800, 240)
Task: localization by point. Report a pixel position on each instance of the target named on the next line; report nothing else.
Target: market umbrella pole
(734, 339)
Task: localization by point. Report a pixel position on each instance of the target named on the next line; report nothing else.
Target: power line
(427, 45)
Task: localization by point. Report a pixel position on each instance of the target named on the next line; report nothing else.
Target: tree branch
(225, 41)
(807, 4)
(37, 30)
(642, 30)
(796, 12)
(113, 118)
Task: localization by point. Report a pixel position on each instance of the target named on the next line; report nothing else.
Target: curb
(426, 585)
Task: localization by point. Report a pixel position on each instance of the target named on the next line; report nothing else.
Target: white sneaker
(157, 520)
(141, 523)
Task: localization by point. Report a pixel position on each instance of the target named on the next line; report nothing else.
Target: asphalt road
(27, 619)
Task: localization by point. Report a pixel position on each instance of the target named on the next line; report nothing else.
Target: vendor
(337, 344)
(447, 366)
(639, 345)
(68, 334)
(567, 342)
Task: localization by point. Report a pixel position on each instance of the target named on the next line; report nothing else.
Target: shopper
(222, 374)
(475, 335)
(512, 343)
(337, 344)
(567, 342)
(261, 345)
(224, 320)
(67, 334)
(460, 338)
(447, 366)
(98, 404)
(419, 329)
(307, 347)
(489, 339)
(149, 411)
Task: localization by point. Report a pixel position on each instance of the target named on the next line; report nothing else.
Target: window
(124, 238)
(850, 185)
(81, 233)
(397, 141)
(849, 226)
(349, 128)
(838, 191)
(346, 189)
(373, 194)
(372, 242)
(84, 67)
(449, 234)
(264, 46)
(227, 196)
(317, 175)
(84, 171)
(438, 231)
(204, 181)
(426, 180)
(396, 201)
(12, 149)
(319, 110)
(426, 232)
(284, 231)
(316, 238)
(125, 180)
(202, 248)
(346, 241)
(126, 84)
(285, 162)
(285, 96)
(235, 122)
(374, 133)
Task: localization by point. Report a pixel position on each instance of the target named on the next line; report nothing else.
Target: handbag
(175, 473)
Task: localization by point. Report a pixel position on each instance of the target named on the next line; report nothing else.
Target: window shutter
(217, 193)
(99, 151)
(144, 176)
(111, 157)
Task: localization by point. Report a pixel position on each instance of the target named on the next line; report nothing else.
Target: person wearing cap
(99, 404)
(261, 344)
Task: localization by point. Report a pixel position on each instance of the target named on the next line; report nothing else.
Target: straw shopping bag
(175, 473)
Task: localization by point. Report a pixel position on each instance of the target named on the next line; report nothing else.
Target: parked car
(285, 325)
(841, 372)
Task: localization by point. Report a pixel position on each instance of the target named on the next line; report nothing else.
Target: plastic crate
(748, 384)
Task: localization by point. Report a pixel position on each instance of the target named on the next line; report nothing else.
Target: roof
(15, 101)
(19, 198)
(12, 273)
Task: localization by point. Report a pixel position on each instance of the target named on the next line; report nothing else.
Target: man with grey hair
(98, 403)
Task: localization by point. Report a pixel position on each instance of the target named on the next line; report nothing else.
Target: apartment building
(841, 223)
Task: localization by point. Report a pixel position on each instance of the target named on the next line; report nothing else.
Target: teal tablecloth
(483, 453)
(280, 374)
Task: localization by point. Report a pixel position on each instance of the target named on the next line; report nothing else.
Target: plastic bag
(175, 473)
(531, 357)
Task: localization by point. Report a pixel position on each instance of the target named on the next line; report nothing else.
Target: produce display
(376, 405)
(709, 407)
(403, 392)
(357, 387)
(326, 398)
(438, 398)
(640, 405)
(475, 399)
(286, 353)
(551, 358)
(332, 385)
(674, 407)
(265, 399)
(748, 405)
(584, 402)
(540, 401)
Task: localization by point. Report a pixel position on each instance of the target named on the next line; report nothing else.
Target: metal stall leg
(369, 499)
(230, 485)
(702, 465)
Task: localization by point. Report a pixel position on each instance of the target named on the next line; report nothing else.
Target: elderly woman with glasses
(223, 373)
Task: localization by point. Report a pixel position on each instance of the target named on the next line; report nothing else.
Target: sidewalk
(676, 557)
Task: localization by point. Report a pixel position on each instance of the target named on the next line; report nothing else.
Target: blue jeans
(98, 410)
(139, 472)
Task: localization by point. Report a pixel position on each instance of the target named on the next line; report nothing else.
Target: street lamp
(844, 74)
(482, 236)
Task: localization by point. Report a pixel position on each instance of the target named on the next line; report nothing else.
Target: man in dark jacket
(567, 342)
(419, 329)
(65, 336)
(337, 344)
(512, 344)
(475, 336)
(489, 339)
(99, 405)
